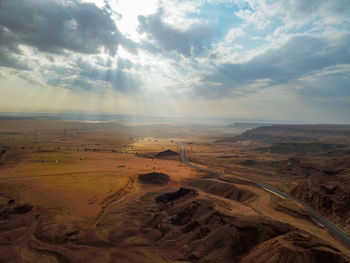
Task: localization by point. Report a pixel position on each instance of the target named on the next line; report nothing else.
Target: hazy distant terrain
(247, 125)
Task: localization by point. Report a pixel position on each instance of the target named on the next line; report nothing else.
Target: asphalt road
(333, 229)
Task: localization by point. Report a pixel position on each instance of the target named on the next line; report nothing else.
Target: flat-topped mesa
(154, 178)
(172, 196)
(166, 153)
(222, 189)
(293, 133)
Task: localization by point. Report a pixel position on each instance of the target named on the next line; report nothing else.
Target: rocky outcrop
(154, 178)
(172, 196)
(223, 189)
(195, 231)
(21, 209)
(330, 199)
(294, 247)
(300, 148)
(166, 153)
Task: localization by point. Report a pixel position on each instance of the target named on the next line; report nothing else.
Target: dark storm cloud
(10, 61)
(190, 42)
(61, 29)
(54, 27)
(9, 51)
(299, 57)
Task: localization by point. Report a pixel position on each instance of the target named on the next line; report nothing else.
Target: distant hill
(247, 125)
(300, 148)
(294, 133)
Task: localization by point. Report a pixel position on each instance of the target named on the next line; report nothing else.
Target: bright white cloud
(127, 13)
(234, 33)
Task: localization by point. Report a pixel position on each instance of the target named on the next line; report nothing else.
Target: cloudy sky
(249, 59)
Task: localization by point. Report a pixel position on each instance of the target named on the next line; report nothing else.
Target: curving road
(333, 229)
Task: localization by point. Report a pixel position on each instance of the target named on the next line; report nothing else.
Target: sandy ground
(76, 173)
(72, 176)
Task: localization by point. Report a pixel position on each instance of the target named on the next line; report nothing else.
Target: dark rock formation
(166, 153)
(172, 196)
(154, 178)
(294, 247)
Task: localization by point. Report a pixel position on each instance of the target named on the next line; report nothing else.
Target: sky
(286, 60)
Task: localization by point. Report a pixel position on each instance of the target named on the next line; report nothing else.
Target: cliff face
(294, 247)
(332, 200)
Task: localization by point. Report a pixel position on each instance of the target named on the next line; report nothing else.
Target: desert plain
(109, 191)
